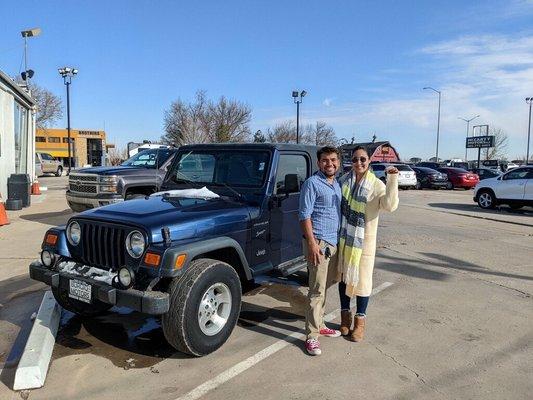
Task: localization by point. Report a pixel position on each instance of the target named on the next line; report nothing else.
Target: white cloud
(327, 101)
(488, 75)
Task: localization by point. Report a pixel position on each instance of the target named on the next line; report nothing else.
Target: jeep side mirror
(292, 184)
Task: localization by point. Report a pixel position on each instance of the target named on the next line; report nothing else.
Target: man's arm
(307, 203)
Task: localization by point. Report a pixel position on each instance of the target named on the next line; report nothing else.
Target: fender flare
(192, 250)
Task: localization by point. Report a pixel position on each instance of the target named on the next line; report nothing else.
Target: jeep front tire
(205, 303)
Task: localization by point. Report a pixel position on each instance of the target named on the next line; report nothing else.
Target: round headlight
(47, 258)
(125, 277)
(135, 244)
(74, 233)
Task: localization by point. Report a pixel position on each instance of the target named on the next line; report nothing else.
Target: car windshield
(220, 167)
(403, 167)
(148, 158)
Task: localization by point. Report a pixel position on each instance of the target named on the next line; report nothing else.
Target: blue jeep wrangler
(185, 255)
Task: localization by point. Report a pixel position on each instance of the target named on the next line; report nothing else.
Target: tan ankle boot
(346, 322)
(359, 329)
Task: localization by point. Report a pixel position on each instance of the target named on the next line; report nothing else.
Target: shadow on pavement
(475, 208)
(50, 218)
(417, 268)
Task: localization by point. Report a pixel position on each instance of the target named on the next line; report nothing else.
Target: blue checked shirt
(320, 201)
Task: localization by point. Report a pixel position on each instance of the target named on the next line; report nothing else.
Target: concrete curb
(33, 364)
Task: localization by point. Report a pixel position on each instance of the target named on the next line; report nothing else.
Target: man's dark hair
(328, 150)
(360, 148)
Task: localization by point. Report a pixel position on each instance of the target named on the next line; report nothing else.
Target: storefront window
(21, 138)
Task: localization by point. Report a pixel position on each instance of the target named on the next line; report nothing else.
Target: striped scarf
(352, 230)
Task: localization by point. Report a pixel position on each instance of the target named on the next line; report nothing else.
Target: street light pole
(298, 97)
(27, 74)
(529, 100)
(67, 73)
(467, 132)
(438, 122)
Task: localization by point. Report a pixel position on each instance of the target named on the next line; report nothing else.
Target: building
(88, 147)
(17, 132)
(377, 151)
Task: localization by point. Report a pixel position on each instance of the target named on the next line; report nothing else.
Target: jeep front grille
(102, 245)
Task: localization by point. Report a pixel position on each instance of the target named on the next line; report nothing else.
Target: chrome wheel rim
(214, 309)
(485, 200)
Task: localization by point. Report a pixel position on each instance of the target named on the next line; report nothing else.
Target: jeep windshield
(220, 168)
(152, 158)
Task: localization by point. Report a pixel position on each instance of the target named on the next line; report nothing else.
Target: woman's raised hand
(391, 170)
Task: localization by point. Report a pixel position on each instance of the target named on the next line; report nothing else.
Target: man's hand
(314, 254)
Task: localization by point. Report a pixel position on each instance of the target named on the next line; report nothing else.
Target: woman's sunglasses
(361, 159)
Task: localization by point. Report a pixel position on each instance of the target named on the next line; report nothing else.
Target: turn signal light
(152, 259)
(180, 260)
(51, 239)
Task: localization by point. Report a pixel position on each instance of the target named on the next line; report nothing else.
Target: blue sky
(362, 63)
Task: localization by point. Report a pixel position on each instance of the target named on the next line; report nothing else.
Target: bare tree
(204, 121)
(320, 134)
(259, 137)
(501, 141)
(283, 132)
(49, 107)
(117, 156)
(230, 121)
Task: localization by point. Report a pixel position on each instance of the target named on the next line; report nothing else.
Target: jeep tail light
(51, 239)
(152, 259)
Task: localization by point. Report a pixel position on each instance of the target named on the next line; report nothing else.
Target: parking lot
(451, 318)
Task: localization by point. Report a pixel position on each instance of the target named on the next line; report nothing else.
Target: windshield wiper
(237, 195)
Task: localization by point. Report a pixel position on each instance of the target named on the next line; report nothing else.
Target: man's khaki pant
(321, 277)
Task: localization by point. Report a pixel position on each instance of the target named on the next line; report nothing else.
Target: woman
(363, 196)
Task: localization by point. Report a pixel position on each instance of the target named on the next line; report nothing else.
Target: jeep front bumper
(147, 302)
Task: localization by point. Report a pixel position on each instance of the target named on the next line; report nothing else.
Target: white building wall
(7, 136)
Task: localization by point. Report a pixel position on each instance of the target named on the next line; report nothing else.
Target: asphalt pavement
(452, 319)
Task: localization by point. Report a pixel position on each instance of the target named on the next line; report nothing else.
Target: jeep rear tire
(59, 171)
(79, 307)
(205, 303)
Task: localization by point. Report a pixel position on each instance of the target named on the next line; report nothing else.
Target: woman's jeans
(362, 302)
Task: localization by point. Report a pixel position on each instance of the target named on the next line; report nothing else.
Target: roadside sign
(478, 142)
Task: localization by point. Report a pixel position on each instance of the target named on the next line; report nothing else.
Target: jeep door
(285, 233)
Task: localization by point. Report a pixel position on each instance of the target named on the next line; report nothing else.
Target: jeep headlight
(135, 244)
(74, 233)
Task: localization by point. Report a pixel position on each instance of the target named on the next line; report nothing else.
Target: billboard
(477, 142)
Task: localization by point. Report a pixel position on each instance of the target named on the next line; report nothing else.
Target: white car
(514, 188)
(406, 176)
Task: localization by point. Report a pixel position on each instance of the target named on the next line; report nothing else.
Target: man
(319, 215)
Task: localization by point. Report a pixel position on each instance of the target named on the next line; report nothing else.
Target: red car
(460, 178)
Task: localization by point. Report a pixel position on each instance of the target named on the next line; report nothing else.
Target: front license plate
(79, 290)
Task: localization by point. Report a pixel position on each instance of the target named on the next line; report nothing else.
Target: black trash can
(19, 187)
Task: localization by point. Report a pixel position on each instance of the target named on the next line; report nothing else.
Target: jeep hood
(186, 218)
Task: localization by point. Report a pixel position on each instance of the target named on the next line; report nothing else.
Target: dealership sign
(477, 142)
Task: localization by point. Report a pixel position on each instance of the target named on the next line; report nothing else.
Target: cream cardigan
(384, 197)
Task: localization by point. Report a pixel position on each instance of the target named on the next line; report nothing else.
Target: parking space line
(239, 368)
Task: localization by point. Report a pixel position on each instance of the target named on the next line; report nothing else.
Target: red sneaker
(313, 347)
(330, 332)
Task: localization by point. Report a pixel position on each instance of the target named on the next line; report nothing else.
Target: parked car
(406, 176)
(485, 173)
(48, 164)
(137, 177)
(430, 164)
(225, 213)
(430, 178)
(514, 188)
(459, 178)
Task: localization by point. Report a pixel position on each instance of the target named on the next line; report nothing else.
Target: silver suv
(48, 164)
